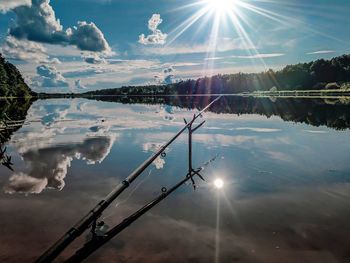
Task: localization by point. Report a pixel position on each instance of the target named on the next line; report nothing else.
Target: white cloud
(157, 37)
(87, 36)
(166, 77)
(185, 64)
(94, 59)
(55, 61)
(13, 48)
(49, 77)
(6, 5)
(257, 56)
(25, 50)
(214, 58)
(38, 23)
(223, 45)
(79, 84)
(321, 52)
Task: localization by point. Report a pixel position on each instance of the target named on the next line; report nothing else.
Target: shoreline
(304, 94)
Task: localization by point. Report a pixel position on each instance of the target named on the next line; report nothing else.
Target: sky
(82, 45)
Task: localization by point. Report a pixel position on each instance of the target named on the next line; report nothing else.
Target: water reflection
(159, 162)
(286, 183)
(48, 166)
(333, 113)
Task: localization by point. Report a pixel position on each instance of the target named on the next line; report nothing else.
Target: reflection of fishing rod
(91, 218)
(98, 241)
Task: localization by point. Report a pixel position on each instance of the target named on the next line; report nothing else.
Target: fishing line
(130, 195)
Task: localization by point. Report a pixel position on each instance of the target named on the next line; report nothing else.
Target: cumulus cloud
(38, 23)
(157, 37)
(6, 5)
(49, 77)
(87, 36)
(166, 77)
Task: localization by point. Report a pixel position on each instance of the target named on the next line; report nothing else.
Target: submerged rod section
(97, 211)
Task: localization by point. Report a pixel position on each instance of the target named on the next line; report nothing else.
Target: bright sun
(222, 6)
(219, 183)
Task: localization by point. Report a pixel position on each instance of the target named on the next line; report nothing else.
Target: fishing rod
(92, 216)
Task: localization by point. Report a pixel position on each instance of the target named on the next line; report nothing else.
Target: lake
(284, 164)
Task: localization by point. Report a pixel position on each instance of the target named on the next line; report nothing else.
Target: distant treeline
(333, 113)
(317, 75)
(11, 81)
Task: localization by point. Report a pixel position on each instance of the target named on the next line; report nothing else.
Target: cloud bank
(23, 50)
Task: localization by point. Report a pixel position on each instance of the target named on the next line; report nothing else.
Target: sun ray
(245, 38)
(183, 7)
(180, 29)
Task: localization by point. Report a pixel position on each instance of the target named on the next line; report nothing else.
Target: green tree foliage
(11, 81)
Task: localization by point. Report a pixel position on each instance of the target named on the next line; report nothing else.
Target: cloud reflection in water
(48, 166)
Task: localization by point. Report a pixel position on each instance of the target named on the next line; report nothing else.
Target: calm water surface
(285, 196)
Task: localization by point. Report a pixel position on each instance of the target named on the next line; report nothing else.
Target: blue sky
(184, 39)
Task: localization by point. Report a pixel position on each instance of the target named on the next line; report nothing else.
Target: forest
(11, 81)
(321, 74)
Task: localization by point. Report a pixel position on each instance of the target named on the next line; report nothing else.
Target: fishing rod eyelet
(163, 154)
(100, 224)
(126, 183)
(164, 190)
